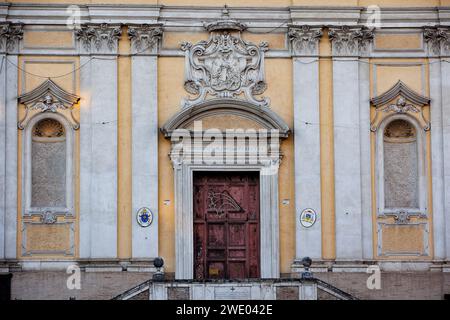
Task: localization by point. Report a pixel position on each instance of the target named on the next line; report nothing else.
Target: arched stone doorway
(226, 135)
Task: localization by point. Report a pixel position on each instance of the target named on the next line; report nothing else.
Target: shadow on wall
(5, 286)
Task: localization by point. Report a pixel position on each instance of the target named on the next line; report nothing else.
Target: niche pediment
(400, 99)
(48, 97)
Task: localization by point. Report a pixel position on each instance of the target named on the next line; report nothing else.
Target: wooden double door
(226, 225)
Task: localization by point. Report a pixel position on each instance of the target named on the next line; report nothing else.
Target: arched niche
(48, 140)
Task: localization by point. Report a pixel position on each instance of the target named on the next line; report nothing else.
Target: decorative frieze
(48, 97)
(305, 39)
(145, 38)
(350, 41)
(10, 35)
(98, 38)
(438, 40)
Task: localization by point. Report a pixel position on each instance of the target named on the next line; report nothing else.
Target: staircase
(332, 290)
(283, 289)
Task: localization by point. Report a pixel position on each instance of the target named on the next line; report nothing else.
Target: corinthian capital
(350, 41)
(304, 39)
(98, 38)
(144, 38)
(10, 35)
(438, 40)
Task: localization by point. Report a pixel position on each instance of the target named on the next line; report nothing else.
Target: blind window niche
(48, 164)
(401, 170)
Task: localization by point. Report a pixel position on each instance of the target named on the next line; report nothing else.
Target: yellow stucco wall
(327, 149)
(279, 78)
(398, 41)
(124, 160)
(170, 93)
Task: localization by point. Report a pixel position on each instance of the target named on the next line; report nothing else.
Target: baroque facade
(232, 141)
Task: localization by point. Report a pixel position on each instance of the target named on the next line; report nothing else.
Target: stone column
(144, 42)
(10, 37)
(433, 38)
(347, 43)
(2, 152)
(445, 89)
(304, 44)
(365, 153)
(98, 140)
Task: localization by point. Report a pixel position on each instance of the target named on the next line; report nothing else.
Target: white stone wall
(145, 154)
(98, 159)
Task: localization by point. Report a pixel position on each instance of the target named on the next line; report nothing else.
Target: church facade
(231, 139)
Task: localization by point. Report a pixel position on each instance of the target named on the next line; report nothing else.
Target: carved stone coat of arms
(225, 66)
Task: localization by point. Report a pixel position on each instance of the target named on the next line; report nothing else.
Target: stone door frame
(184, 216)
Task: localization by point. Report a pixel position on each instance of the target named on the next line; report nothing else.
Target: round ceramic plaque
(308, 217)
(144, 217)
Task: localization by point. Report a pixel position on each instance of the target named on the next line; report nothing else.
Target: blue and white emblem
(144, 217)
(308, 217)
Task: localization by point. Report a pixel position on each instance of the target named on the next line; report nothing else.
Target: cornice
(195, 16)
(4, 8)
(325, 15)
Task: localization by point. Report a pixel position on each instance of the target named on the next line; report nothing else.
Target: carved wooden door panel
(226, 225)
